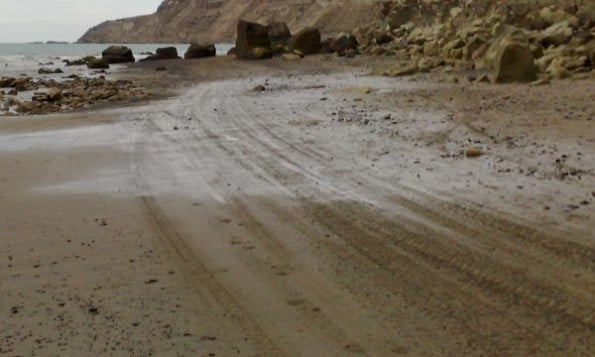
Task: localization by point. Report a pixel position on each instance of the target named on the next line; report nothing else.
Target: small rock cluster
(518, 42)
(77, 92)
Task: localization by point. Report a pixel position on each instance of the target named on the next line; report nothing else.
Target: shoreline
(334, 212)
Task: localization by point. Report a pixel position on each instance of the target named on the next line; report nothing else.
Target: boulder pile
(78, 92)
(257, 41)
(515, 41)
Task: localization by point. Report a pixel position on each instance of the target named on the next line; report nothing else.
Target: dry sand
(334, 213)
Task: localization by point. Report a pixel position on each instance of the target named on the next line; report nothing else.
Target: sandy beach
(332, 213)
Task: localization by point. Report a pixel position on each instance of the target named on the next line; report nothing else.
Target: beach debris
(117, 54)
(200, 51)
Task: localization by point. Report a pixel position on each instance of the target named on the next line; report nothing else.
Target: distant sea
(16, 58)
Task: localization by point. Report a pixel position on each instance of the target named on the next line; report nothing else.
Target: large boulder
(117, 54)
(278, 32)
(200, 51)
(306, 41)
(514, 62)
(251, 35)
(164, 53)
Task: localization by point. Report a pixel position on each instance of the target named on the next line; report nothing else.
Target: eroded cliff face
(215, 20)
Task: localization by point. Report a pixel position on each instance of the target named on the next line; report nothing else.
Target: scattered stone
(260, 53)
(472, 152)
(259, 88)
(290, 57)
(557, 34)
(200, 51)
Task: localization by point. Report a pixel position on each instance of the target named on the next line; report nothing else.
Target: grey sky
(62, 20)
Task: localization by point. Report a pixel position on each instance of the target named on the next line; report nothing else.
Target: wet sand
(334, 213)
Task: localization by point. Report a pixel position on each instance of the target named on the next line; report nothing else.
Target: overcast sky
(62, 20)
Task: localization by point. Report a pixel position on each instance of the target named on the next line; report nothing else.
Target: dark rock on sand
(44, 70)
(341, 45)
(164, 53)
(6, 81)
(514, 62)
(251, 35)
(97, 63)
(200, 51)
(117, 54)
(306, 41)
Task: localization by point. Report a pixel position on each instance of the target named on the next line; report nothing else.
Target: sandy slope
(303, 221)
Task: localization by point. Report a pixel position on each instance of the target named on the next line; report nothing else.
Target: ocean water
(17, 58)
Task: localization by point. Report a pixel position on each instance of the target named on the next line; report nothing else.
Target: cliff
(215, 20)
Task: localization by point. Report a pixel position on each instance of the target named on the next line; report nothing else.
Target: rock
(278, 32)
(290, 57)
(259, 88)
(232, 51)
(307, 41)
(200, 51)
(514, 63)
(97, 63)
(342, 44)
(260, 53)
(6, 82)
(164, 53)
(383, 38)
(251, 35)
(557, 70)
(78, 62)
(402, 71)
(117, 54)
(54, 94)
(12, 92)
(472, 151)
(160, 69)
(44, 70)
(557, 34)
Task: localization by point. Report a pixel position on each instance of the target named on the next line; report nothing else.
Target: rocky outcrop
(211, 21)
